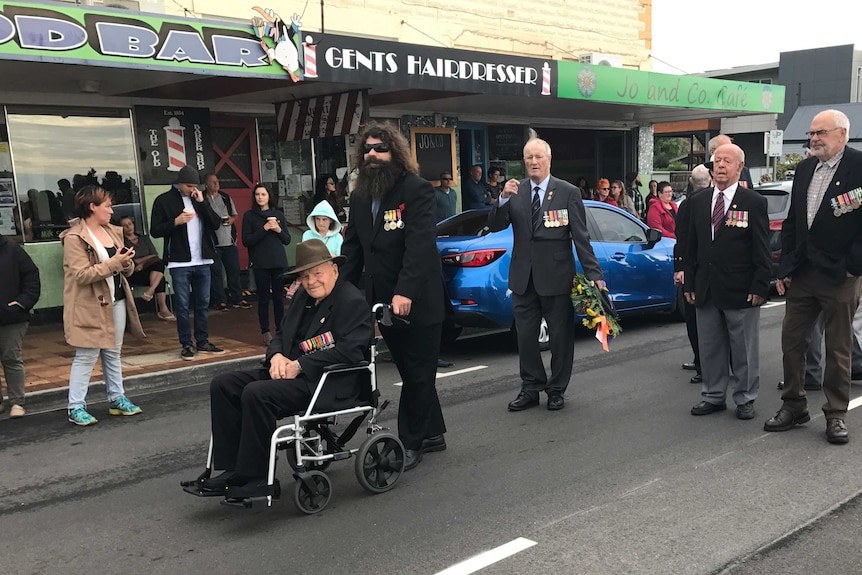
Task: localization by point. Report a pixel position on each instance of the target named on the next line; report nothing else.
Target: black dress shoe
(696, 379)
(691, 366)
(745, 411)
(412, 457)
(524, 401)
(705, 408)
(430, 444)
(252, 488)
(786, 419)
(218, 483)
(836, 431)
(555, 402)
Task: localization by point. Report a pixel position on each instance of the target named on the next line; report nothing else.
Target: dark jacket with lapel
(403, 260)
(833, 245)
(546, 252)
(683, 221)
(166, 208)
(737, 262)
(347, 317)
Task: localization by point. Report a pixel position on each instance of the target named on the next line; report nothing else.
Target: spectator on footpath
(187, 222)
(661, 215)
(586, 191)
(493, 186)
(97, 302)
(603, 192)
(19, 292)
(447, 197)
(226, 261)
(392, 238)
(264, 233)
(323, 225)
(698, 181)
(634, 194)
(149, 268)
(652, 195)
(821, 261)
(473, 193)
(618, 193)
(727, 270)
(327, 189)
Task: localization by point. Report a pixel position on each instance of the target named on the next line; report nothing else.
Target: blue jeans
(192, 282)
(112, 370)
(227, 259)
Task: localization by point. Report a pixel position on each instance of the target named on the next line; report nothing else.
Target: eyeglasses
(820, 133)
(378, 147)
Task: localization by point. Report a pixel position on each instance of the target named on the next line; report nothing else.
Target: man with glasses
(392, 236)
(447, 197)
(821, 261)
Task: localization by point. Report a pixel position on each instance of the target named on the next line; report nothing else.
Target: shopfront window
(55, 152)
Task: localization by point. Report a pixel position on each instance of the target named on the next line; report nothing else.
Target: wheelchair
(311, 444)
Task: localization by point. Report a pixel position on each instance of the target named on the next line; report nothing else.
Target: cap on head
(188, 175)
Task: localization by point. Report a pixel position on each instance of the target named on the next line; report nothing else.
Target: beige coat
(88, 317)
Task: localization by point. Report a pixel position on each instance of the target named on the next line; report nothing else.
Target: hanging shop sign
(619, 85)
(321, 116)
(170, 138)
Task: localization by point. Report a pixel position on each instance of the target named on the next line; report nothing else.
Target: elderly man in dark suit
(547, 214)
(726, 275)
(392, 236)
(821, 261)
(327, 323)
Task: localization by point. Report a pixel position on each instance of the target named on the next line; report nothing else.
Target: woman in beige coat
(97, 302)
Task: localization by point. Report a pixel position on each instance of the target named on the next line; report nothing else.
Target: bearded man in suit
(547, 214)
(726, 276)
(819, 270)
(392, 236)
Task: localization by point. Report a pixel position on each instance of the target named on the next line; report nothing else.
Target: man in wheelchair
(328, 322)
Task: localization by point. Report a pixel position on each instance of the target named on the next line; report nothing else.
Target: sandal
(147, 296)
(168, 317)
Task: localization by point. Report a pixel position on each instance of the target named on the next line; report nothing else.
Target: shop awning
(322, 116)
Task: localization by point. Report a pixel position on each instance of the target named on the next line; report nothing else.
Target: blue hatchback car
(637, 263)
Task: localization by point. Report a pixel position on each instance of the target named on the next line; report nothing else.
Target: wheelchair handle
(382, 312)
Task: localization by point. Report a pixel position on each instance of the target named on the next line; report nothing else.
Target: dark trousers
(245, 406)
(691, 328)
(415, 351)
(269, 279)
(558, 311)
(809, 295)
(227, 259)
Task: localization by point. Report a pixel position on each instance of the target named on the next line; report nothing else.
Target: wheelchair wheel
(379, 462)
(311, 501)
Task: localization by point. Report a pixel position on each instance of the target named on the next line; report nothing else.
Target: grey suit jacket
(546, 252)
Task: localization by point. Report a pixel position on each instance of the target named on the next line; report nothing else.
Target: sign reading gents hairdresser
(269, 47)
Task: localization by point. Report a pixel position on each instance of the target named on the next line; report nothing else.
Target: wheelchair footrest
(341, 455)
(194, 488)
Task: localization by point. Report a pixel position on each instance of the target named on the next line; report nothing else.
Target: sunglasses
(378, 147)
(447, 179)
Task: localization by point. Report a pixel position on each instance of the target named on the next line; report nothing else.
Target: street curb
(57, 399)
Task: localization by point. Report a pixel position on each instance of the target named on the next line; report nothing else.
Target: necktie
(536, 206)
(717, 214)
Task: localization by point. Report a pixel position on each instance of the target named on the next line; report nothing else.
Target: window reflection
(56, 154)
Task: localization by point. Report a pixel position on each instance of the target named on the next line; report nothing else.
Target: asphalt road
(623, 480)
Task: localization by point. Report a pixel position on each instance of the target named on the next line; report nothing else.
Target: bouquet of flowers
(598, 309)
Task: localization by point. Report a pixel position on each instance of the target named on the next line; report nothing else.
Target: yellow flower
(590, 312)
(580, 288)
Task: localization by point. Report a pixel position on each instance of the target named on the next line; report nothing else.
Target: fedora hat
(312, 253)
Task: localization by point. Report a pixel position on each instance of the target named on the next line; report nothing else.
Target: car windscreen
(469, 223)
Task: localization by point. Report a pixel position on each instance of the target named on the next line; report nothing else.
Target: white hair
(717, 141)
(840, 120)
(699, 177)
(539, 141)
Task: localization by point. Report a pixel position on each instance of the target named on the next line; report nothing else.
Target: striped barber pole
(322, 116)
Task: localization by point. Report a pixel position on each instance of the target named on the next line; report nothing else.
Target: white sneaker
(17, 411)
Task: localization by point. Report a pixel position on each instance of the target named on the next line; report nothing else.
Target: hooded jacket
(20, 283)
(88, 316)
(333, 238)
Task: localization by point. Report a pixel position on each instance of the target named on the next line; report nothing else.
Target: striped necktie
(536, 206)
(717, 214)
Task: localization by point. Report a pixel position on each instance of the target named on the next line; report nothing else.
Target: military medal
(744, 223)
(318, 342)
(564, 217)
(547, 220)
(400, 224)
(836, 209)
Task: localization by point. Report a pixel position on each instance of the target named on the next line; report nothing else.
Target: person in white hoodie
(323, 225)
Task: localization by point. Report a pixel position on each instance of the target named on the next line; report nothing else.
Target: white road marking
(855, 403)
(451, 373)
(772, 304)
(487, 558)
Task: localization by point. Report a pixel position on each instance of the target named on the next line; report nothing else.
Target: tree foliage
(790, 162)
(666, 150)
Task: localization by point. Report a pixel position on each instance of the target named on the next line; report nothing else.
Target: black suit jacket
(737, 262)
(403, 260)
(166, 208)
(683, 221)
(545, 252)
(833, 245)
(347, 317)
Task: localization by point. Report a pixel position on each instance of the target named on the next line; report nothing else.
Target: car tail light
(775, 225)
(474, 259)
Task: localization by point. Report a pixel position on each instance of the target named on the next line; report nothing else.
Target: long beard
(376, 178)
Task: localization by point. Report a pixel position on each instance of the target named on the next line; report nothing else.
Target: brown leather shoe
(836, 431)
(786, 419)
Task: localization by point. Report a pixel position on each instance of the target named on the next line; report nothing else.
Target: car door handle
(618, 256)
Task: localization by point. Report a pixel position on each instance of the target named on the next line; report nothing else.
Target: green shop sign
(53, 33)
(620, 86)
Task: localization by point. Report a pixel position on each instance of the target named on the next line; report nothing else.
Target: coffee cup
(272, 219)
(188, 210)
(224, 221)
